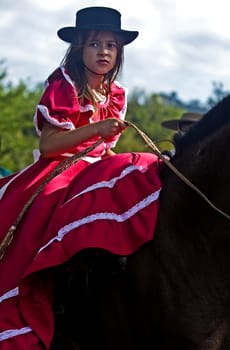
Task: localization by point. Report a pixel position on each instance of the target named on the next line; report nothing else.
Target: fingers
(121, 125)
(111, 127)
(118, 127)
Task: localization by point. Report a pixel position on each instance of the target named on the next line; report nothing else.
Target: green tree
(18, 138)
(147, 112)
(218, 93)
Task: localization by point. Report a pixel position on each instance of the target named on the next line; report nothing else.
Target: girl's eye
(93, 44)
(112, 45)
(96, 44)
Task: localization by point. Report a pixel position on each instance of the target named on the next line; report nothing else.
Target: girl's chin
(102, 70)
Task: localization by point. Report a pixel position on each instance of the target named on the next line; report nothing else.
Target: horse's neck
(213, 120)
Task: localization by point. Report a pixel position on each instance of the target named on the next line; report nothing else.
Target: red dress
(85, 206)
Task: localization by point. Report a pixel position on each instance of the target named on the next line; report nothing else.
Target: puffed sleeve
(59, 104)
(116, 108)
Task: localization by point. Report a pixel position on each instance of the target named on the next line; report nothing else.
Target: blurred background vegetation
(147, 111)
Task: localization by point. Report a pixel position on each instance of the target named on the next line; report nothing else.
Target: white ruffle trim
(45, 112)
(111, 183)
(103, 216)
(10, 294)
(4, 188)
(10, 333)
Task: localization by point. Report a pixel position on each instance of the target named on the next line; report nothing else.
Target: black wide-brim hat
(187, 120)
(97, 18)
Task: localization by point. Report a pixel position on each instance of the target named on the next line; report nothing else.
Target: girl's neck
(95, 81)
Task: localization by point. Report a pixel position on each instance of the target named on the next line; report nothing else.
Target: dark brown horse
(174, 292)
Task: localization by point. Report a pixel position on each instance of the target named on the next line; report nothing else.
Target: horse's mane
(217, 117)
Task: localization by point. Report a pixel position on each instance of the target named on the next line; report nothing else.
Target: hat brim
(68, 33)
(176, 124)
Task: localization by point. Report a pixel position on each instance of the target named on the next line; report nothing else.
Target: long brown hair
(74, 65)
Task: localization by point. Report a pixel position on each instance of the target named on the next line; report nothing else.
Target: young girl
(82, 103)
(82, 95)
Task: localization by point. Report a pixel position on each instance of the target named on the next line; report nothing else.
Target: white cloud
(183, 45)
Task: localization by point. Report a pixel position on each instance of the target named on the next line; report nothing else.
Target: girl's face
(100, 52)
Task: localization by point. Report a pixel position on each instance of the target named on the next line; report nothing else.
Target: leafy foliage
(147, 111)
(18, 138)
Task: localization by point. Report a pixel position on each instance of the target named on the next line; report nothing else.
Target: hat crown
(191, 117)
(96, 17)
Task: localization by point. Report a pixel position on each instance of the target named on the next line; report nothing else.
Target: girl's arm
(55, 141)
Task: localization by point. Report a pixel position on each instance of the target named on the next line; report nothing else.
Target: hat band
(98, 26)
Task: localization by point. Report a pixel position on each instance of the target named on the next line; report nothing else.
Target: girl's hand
(111, 127)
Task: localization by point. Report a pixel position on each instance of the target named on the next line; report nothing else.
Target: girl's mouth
(103, 62)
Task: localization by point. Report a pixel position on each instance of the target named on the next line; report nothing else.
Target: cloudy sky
(183, 46)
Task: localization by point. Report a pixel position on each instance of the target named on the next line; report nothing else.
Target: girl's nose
(103, 49)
